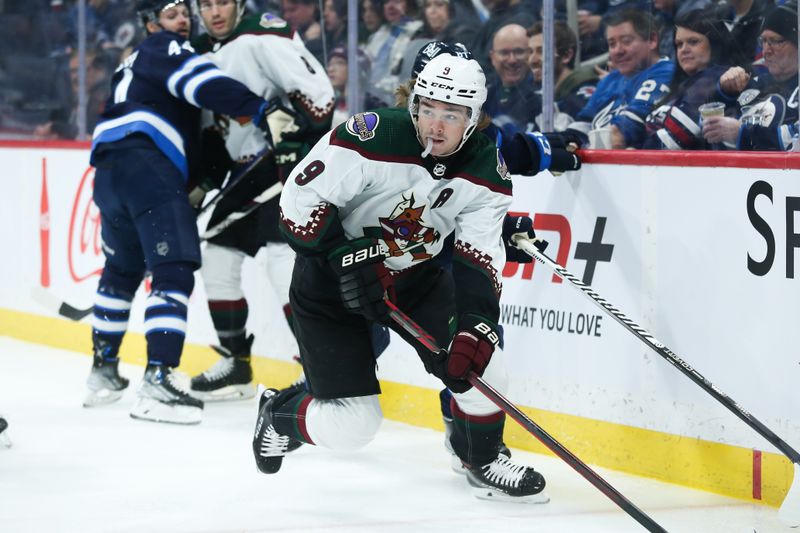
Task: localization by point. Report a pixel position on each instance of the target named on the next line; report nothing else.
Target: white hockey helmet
(454, 80)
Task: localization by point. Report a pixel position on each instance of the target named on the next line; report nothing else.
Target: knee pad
(473, 402)
(177, 277)
(118, 283)
(344, 424)
(222, 272)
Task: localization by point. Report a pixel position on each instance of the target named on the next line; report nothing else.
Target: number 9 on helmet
(453, 80)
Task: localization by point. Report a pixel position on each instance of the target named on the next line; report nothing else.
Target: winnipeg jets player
(145, 151)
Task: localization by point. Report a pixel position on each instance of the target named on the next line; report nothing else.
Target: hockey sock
(476, 438)
(289, 413)
(229, 318)
(165, 316)
(445, 397)
(112, 308)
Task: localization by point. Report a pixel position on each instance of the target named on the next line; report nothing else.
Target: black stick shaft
(661, 349)
(424, 339)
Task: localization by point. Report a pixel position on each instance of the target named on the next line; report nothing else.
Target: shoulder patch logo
(502, 169)
(270, 21)
(364, 125)
(748, 96)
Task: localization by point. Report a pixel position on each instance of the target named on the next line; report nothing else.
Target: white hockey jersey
(366, 178)
(271, 60)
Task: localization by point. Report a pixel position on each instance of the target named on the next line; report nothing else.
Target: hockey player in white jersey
(270, 59)
(367, 211)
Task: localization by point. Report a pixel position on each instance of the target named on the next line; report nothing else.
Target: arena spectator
(771, 98)
(337, 73)
(743, 18)
(335, 17)
(303, 17)
(625, 97)
(573, 87)
(512, 102)
(371, 16)
(667, 12)
(592, 24)
(501, 13)
(702, 49)
(441, 24)
(385, 48)
(63, 123)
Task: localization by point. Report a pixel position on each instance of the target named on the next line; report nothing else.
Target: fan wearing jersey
(624, 98)
(366, 211)
(265, 54)
(145, 150)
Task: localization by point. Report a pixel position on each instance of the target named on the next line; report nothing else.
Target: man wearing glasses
(512, 101)
(769, 100)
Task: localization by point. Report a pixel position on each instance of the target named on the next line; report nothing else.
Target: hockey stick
(424, 339)
(268, 194)
(274, 105)
(789, 511)
(50, 301)
(235, 180)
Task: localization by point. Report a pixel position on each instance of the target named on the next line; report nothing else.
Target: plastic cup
(600, 139)
(712, 109)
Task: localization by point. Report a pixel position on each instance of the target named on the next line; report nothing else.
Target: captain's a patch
(364, 125)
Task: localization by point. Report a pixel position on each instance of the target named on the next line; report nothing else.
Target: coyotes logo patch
(404, 231)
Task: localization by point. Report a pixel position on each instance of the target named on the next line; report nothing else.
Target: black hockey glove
(471, 350)
(287, 155)
(562, 139)
(364, 280)
(520, 227)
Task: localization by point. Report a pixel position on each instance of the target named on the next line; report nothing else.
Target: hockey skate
(231, 378)
(269, 446)
(455, 463)
(5, 442)
(503, 480)
(105, 384)
(163, 397)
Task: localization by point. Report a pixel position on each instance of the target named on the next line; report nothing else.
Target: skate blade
(457, 466)
(230, 393)
(489, 494)
(155, 411)
(102, 397)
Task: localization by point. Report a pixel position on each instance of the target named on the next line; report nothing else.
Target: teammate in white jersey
(367, 211)
(270, 59)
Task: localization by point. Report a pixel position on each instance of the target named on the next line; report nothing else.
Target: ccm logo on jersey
(360, 256)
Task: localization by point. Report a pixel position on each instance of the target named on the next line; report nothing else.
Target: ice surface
(97, 470)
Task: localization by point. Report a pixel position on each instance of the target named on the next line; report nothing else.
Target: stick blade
(789, 513)
(50, 301)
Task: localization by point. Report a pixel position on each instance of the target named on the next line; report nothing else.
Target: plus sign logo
(593, 252)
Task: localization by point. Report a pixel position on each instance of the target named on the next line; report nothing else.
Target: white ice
(84, 470)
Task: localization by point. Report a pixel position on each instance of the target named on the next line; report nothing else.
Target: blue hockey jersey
(771, 122)
(626, 102)
(159, 90)
(676, 125)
